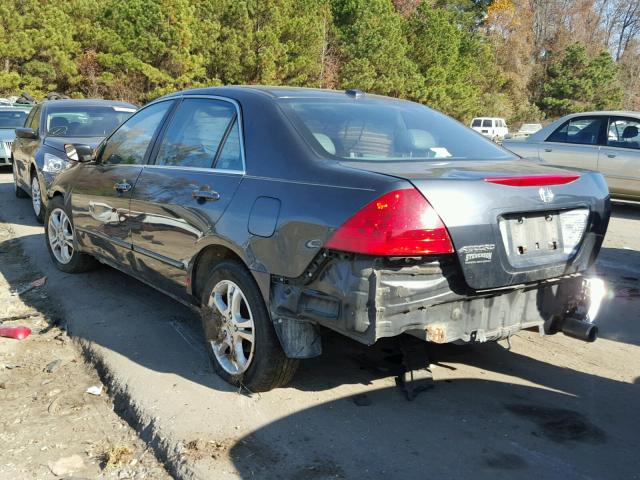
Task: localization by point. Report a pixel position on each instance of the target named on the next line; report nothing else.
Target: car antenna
(354, 92)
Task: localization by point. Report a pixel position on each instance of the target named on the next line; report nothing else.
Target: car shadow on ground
(466, 428)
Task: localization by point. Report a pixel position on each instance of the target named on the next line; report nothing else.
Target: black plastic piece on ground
(417, 376)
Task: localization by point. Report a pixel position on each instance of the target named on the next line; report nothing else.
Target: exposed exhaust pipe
(576, 328)
(580, 325)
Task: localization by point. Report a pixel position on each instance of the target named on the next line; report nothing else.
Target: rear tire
(19, 192)
(36, 199)
(59, 233)
(239, 335)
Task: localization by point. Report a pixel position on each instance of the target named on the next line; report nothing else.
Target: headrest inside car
(630, 131)
(421, 139)
(326, 142)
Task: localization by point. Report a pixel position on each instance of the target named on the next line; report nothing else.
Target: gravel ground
(49, 426)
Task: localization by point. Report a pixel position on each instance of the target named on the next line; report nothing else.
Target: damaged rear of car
(282, 211)
(473, 247)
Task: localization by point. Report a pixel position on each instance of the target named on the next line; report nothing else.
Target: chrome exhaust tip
(576, 328)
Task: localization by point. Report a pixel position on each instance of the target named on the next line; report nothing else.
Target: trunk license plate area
(539, 238)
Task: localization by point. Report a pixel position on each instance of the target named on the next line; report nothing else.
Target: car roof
(604, 113)
(276, 92)
(12, 108)
(87, 102)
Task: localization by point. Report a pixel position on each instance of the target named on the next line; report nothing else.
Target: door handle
(122, 187)
(205, 195)
(611, 155)
(548, 149)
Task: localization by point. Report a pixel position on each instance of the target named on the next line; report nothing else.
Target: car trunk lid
(511, 222)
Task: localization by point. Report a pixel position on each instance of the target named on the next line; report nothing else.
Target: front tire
(239, 336)
(60, 236)
(36, 199)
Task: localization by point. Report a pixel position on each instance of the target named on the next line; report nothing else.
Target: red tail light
(534, 180)
(399, 223)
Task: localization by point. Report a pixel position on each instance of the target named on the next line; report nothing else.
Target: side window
(129, 144)
(581, 130)
(196, 133)
(33, 121)
(624, 132)
(230, 157)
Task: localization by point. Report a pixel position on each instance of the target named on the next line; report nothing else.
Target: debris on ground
(116, 456)
(17, 333)
(52, 367)
(94, 390)
(199, 448)
(67, 465)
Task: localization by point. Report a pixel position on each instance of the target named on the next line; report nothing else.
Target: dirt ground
(49, 426)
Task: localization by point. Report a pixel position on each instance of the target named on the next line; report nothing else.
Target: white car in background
(492, 127)
(10, 118)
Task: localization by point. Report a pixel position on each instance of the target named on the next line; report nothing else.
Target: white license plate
(573, 223)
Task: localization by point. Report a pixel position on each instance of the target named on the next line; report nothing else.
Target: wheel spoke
(242, 334)
(218, 302)
(55, 220)
(239, 354)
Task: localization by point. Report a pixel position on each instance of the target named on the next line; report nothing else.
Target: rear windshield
(12, 119)
(385, 130)
(85, 121)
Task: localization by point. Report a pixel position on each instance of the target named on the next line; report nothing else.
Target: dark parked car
(278, 211)
(38, 150)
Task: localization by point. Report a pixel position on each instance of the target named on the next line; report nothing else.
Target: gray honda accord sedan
(279, 211)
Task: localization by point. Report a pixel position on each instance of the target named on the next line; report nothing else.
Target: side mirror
(29, 133)
(78, 152)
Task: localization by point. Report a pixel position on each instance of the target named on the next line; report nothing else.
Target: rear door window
(201, 133)
(581, 130)
(476, 122)
(624, 133)
(486, 123)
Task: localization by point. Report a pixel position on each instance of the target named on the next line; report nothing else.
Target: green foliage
(455, 64)
(431, 51)
(374, 47)
(578, 83)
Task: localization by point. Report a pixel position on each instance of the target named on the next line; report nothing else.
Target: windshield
(12, 118)
(85, 121)
(386, 130)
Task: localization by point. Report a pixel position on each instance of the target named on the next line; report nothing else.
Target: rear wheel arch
(205, 261)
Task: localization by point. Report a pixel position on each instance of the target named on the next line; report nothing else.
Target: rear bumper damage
(369, 298)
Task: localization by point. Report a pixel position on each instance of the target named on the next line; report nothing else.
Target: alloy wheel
(36, 199)
(234, 343)
(60, 234)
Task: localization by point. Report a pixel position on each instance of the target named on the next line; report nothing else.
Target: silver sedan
(608, 142)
